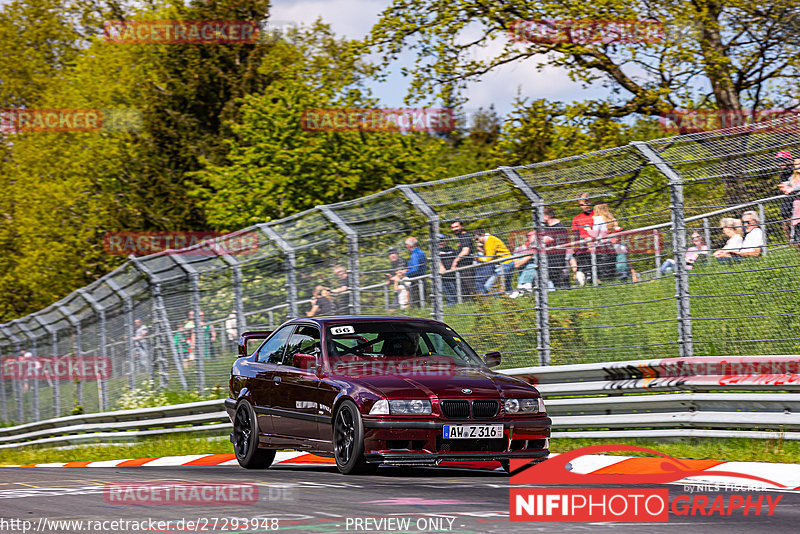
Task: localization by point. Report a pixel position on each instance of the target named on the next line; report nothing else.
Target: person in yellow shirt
(494, 249)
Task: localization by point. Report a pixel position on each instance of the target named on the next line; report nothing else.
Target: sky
(354, 19)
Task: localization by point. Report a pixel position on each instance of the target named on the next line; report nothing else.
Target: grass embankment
(713, 449)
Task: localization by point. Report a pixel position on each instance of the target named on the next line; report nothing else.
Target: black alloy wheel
(348, 441)
(245, 439)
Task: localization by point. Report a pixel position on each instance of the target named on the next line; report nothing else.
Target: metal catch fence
(608, 256)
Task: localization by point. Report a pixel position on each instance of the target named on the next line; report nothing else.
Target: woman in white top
(604, 224)
(732, 228)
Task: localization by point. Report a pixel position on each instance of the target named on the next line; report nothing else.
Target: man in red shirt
(580, 223)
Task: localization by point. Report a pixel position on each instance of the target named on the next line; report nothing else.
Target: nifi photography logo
(622, 504)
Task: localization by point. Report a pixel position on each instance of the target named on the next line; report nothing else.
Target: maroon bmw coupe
(372, 391)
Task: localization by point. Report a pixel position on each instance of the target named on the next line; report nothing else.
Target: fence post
(76, 325)
(238, 305)
(17, 385)
(763, 225)
(352, 255)
(160, 315)
(542, 302)
(32, 338)
(707, 233)
(53, 352)
(433, 230)
(199, 338)
(102, 396)
(15, 343)
(127, 306)
(291, 265)
(657, 252)
(678, 246)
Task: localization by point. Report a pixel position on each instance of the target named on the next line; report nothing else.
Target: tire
(348, 441)
(245, 439)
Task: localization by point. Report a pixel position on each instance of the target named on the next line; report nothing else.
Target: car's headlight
(410, 407)
(380, 408)
(523, 405)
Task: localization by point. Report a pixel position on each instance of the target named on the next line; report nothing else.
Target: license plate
(473, 431)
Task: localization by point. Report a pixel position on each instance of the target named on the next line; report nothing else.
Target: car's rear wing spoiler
(253, 334)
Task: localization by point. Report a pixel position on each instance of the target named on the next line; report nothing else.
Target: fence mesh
(679, 247)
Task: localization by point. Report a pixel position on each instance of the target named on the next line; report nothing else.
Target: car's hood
(482, 383)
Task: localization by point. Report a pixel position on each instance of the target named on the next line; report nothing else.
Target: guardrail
(736, 397)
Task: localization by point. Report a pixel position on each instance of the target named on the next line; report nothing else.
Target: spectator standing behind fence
(417, 266)
(791, 188)
(320, 302)
(465, 256)
(732, 228)
(209, 334)
(191, 339)
(446, 257)
(495, 249)
(555, 237)
(698, 248)
(340, 291)
(181, 341)
(397, 268)
(581, 224)
(784, 159)
(140, 345)
(604, 224)
(232, 329)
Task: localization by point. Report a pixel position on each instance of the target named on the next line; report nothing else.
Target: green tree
(723, 54)
(275, 167)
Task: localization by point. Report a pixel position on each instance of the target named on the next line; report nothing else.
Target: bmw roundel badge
(467, 391)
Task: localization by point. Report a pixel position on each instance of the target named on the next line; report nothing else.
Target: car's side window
(305, 340)
(272, 351)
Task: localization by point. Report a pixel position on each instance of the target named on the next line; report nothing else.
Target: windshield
(398, 340)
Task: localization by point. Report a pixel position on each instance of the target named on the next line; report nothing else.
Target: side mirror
(247, 336)
(306, 362)
(492, 359)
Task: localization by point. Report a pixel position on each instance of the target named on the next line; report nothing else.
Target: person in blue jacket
(417, 266)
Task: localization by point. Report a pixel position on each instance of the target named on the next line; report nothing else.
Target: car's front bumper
(420, 442)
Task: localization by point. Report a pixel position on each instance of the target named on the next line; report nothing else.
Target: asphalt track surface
(319, 499)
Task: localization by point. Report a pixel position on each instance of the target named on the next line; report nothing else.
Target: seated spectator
(493, 249)
(754, 242)
(526, 265)
(732, 228)
(692, 254)
(320, 303)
